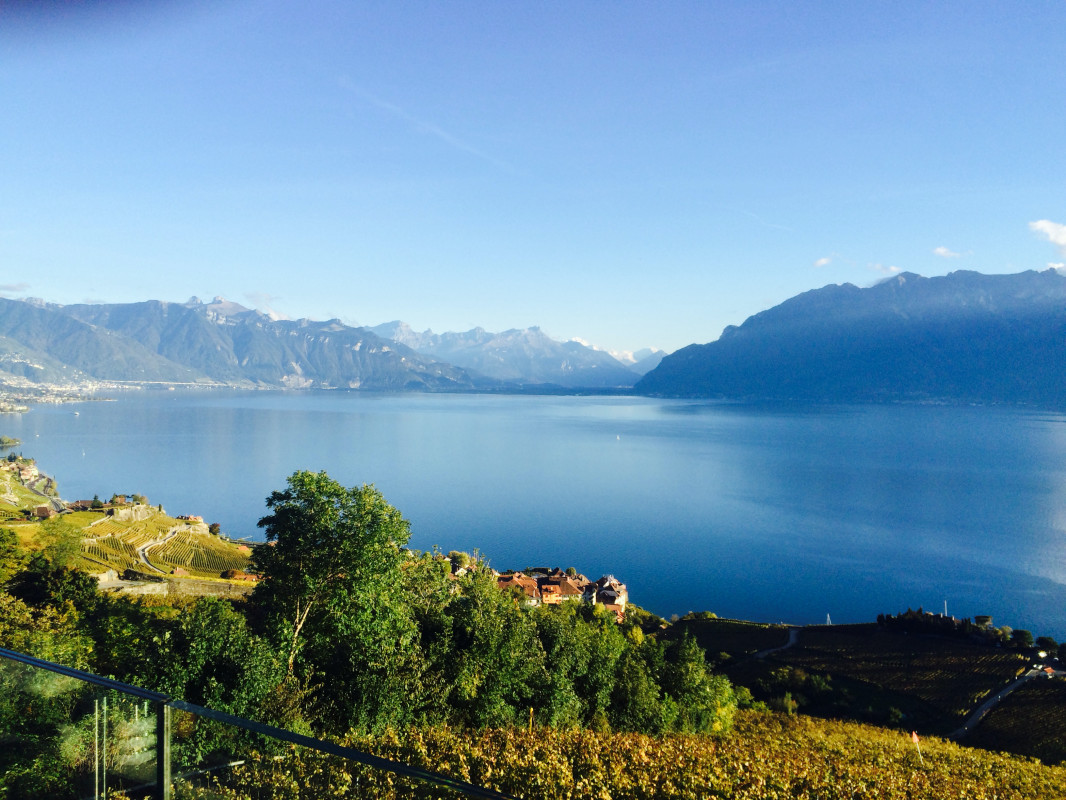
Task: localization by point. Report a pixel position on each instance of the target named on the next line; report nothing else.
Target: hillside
(962, 337)
(208, 343)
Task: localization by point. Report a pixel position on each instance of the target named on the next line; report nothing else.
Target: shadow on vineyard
(904, 681)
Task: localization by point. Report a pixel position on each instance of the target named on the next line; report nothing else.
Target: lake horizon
(769, 513)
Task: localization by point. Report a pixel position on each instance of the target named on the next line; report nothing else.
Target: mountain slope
(232, 344)
(964, 336)
(527, 356)
(195, 342)
(49, 335)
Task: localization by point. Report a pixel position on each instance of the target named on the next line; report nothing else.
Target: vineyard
(734, 637)
(952, 676)
(118, 554)
(1031, 721)
(766, 756)
(199, 554)
(113, 543)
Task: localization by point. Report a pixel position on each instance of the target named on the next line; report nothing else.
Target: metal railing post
(162, 751)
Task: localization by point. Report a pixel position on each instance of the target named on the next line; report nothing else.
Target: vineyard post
(914, 738)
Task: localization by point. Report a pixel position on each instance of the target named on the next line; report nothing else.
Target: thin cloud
(885, 269)
(8, 288)
(422, 126)
(1054, 232)
(944, 252)
(265, 303)
(823, 262)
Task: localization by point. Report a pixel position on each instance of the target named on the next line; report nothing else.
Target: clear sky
(633, 174)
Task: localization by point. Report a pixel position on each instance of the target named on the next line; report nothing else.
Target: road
(979, 713)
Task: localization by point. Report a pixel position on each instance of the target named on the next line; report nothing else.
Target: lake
(764, 513)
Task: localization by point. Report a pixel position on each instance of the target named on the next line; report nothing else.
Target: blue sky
(633, 174)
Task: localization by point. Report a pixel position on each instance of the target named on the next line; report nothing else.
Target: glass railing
(65, 733)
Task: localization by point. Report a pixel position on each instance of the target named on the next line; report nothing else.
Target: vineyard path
(793, 637)
(142, 551)
(979, 713)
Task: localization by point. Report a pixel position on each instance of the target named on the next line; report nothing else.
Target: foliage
(332, 579)
(768, 756)
(12, 555)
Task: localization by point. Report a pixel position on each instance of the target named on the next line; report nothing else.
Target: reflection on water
(763, 512)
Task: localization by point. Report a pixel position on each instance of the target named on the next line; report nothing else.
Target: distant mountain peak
(526, 356)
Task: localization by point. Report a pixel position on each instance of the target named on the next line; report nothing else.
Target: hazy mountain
(526, 357)
(41, 333)
(221, 342)
(641, 361)
(964, 336)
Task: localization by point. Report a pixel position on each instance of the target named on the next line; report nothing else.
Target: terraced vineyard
(112, 551)
(113, 543)
(950, 675)
(199, 554)
(1031, 721)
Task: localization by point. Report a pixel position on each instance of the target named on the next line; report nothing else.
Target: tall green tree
(333, 587)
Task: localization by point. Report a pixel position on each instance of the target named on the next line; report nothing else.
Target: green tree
(333, 587)
(61, 541)
(705, 702)
(1021, 638)
(493, 663)
(12, 555)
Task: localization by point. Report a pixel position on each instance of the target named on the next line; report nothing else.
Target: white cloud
(885, 269)
(823, 262)
(264, 302)
(944, 252)
(1057, 265)
(1054, 232)
(7, 288)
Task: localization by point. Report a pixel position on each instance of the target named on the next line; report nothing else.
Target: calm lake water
(760, 513)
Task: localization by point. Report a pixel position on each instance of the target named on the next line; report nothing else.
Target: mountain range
(222, 342)
(522, 357)
(961, 337)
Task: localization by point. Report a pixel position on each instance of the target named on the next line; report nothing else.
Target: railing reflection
(66, 733)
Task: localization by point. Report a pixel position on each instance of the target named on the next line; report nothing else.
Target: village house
(524, 583)
(553, 587)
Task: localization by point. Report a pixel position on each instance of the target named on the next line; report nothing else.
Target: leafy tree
(12, 555)
(1047, 644)
(214, 528)
(494, 666)
(61, 541)
(1021, 638)
(636, 702)
(219, 663)
(332, 587)
(45, 582)
(705, 702)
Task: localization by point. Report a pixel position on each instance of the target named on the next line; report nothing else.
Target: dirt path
(793, 638)
(142, 551)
